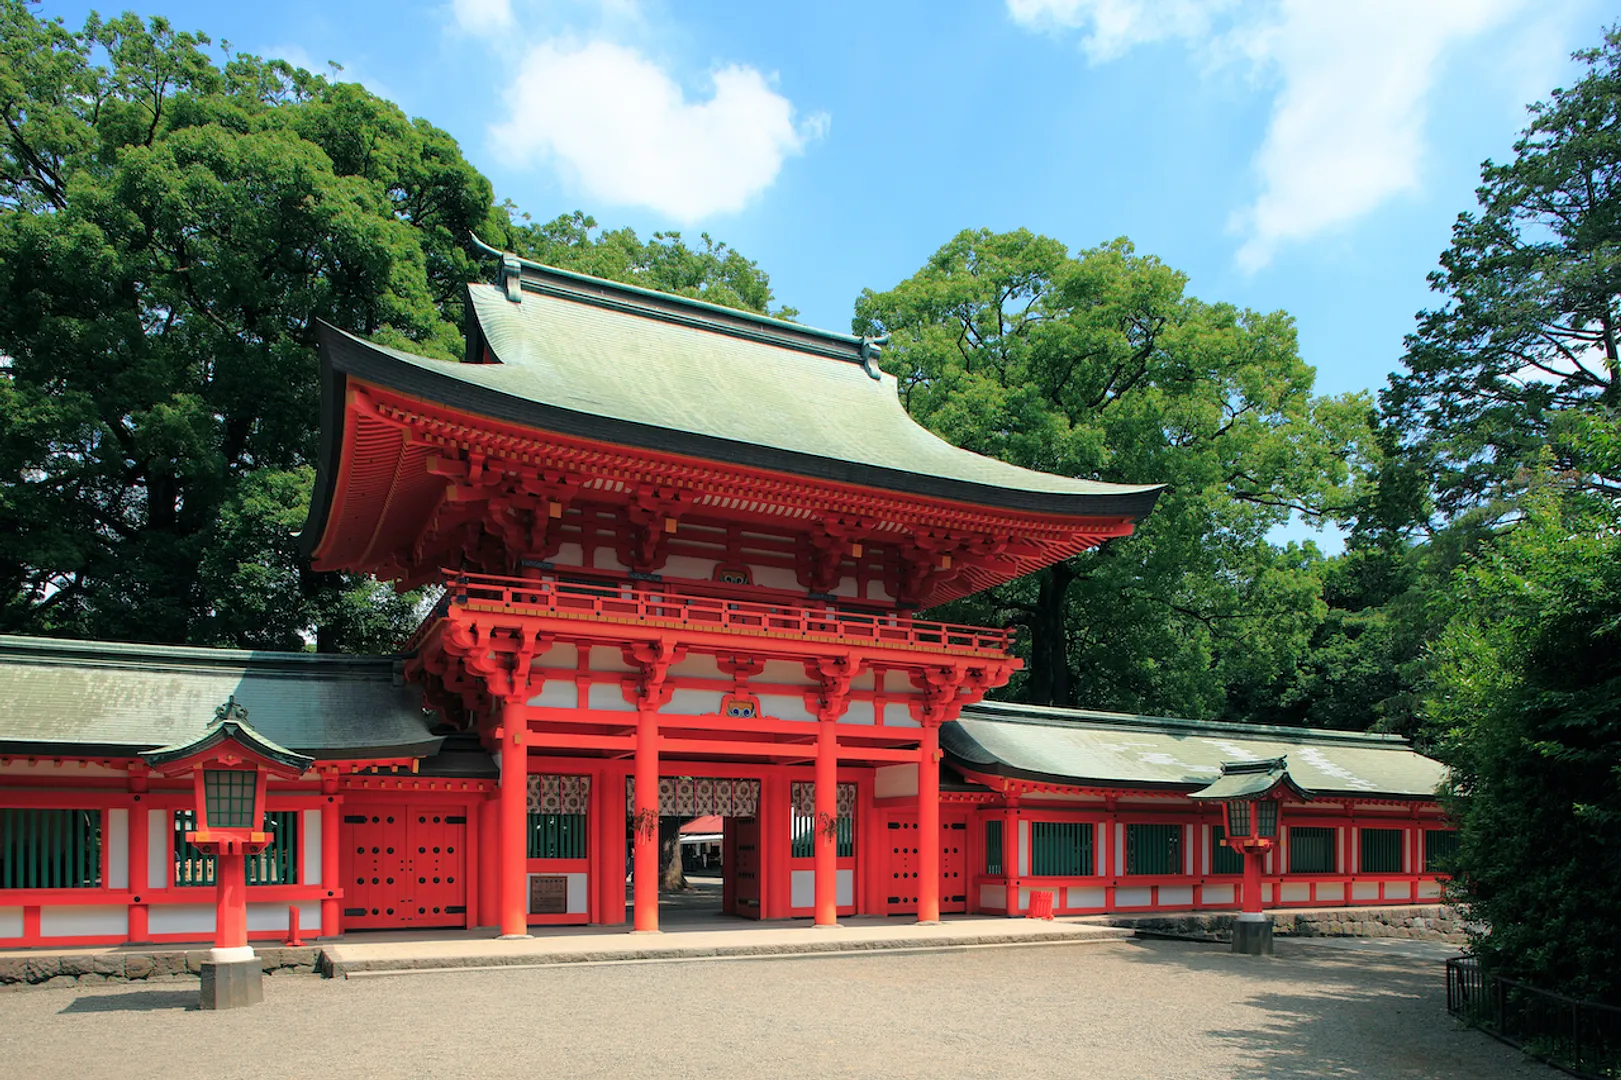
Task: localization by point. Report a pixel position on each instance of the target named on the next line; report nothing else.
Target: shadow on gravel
(1338, 1014)
(135, 1001)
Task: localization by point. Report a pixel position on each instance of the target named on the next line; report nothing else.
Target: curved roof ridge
(72, 650)
(1064, 716)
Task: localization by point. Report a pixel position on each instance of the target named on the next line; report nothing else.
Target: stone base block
(232, 985)
(1252, 937)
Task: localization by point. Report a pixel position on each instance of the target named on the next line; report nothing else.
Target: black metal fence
(1581, 1037)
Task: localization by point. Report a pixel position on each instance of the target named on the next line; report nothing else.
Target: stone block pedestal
(1252, 935)
(232, 984)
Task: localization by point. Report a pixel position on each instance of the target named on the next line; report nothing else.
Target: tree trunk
(1050, 680)
(672, 878)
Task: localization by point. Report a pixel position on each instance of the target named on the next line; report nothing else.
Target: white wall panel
(576, 894)
(991, 898)
(608, 696)
(1216, 894)
(84, 920)
(1330, 890)
(784, 707)
(860, 712)
(1176, 895)
(266, 918)
(1429, 890)
(560, 692)
(11, 922)
(802, 888)
(894, 781)
(309, 847)
(158, 868)
(117, 843)
(844, 888)
(1396, 890)
(1136, 896)
(1361, 890)
(1293, 892)
(1024, 848)
(1082, 897)
(181, 919)
(692, 703)
(786, 672)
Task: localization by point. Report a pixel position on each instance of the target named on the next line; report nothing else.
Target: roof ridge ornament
(231, 710)
(869, 354)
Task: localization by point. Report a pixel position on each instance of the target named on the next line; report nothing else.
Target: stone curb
(1427, 923)
(97, 969)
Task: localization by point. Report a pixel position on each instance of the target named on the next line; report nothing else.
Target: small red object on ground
(1041, 904)
(292, 927)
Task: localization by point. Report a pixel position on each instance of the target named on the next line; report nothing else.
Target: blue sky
(1308, 155)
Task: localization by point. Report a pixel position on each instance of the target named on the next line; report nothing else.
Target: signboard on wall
(548, 894)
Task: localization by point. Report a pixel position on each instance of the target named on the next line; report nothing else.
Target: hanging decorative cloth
(551, 794)
(700, 796)
(804, 796)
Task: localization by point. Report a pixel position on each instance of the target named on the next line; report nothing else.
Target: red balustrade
(657, 605)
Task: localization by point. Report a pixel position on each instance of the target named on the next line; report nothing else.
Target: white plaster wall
(1176, 895)
(117, 843)
(158, 868)
(603, 659)
(698, 666)
(11, 922)
(1266, 893)
(991, 898)
(576, 894)
(894, 781)
(1296, 891)
(692, 703)
(1396, 890)
(897, 714)
(560, 692)
(180, 919)
(272, 917)
(1217, 894)
(563, 656)
(1362, 890)
(844, 888)
(686, 566)
(1331, 890)
(1429, 890)
(1087, 896)
(83, 920)
(876, 591)
(860, 712)
(846, 587)
(569, 555)
(1097, 850)
(608, 696)
(785, 672)
(802, 888)
(1135, 896)
(605, 558)
(784, 707)
(1024, 849)
(1119, 848)
(309, 847)
(775, 577)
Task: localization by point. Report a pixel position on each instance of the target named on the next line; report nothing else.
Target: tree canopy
(1099, 364)
(171, 228)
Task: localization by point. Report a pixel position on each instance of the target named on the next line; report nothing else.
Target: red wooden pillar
(489, 862)
(1010, 853)
(611, 831)
(514, 819)
(230, 901)
(1252, 880)
(928, 825)
(331, 817)
(140, 833)
(646, 839)
(827, 811)
(774, 839)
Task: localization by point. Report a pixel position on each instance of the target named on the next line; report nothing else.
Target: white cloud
(622, 128)
(482, 16)
(1351, 81)
(1114, 26)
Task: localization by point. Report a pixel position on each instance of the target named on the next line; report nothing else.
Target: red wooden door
(904, 861)
(402, 865)
(743, 865)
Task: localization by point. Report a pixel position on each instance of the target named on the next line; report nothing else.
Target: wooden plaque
(548, 894)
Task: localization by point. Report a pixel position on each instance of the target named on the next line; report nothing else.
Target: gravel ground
(1152, 1009)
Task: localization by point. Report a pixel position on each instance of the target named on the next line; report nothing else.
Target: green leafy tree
(170, 231)
(1528, 330)
(1100, 365)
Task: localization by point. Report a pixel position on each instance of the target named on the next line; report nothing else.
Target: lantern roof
(1090, 748)
(230, 725)
(1244, 781)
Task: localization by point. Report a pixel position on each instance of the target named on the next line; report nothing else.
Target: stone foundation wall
(89, 969)
(1424, 923)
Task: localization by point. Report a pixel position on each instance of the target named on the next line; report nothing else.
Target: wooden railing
(657, 605)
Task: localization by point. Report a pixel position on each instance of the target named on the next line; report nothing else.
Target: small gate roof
(1085, 748)
(94, 698)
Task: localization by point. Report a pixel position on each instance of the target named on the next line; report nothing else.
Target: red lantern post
(230, 764)
(1252, 793)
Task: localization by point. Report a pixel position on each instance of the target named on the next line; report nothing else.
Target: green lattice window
(1380, 850)
(804, 837)
(50, 849)
(1311, 850)
(1153, 849)
(1061, 849)
(1440, 850)
(993, 848)
(228, 794)
(1223, 859)
(277, 864)
(557, 836)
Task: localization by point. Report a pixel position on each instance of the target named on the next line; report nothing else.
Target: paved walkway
(1165, 1010)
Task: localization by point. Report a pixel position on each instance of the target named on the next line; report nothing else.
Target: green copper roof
(592, 358)
(95, 698)
(230, 724)
(1086, 748)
